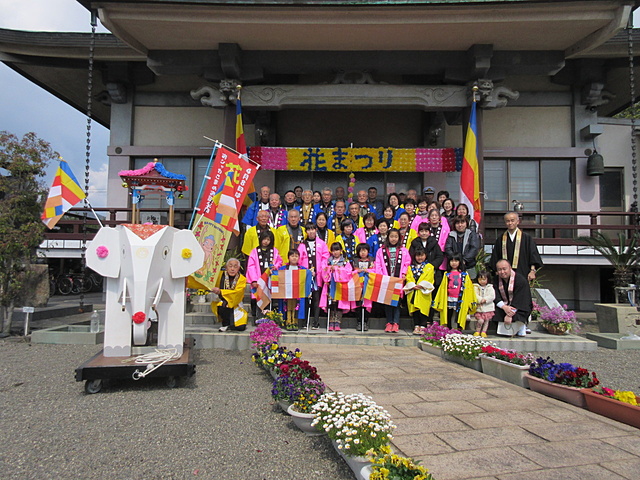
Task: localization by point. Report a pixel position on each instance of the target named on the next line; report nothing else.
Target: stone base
(612, 341)
(617, 318)
(68, 335)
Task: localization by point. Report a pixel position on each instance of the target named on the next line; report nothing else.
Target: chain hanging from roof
(83, 263)
(632, 90)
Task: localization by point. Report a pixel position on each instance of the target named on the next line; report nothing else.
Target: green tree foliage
(22, 195)
(629, 112)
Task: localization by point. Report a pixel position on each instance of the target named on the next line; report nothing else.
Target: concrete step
(210, 337)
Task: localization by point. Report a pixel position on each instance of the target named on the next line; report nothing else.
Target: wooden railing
(538, 224)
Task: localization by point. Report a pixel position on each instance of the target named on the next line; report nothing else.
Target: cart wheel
(93, 386)
(171, 382)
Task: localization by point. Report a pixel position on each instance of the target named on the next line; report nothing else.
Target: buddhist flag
(241, 148)
(470, 176)
(290, 284)
(382, 288)
(263, 293)
(65, 193)
(350, 291)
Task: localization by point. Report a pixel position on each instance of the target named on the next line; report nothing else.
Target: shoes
(223, 329)
(483, 334)
(477, 334)
(331, 327)
(366, 326)
(315, 326)
(395, 328)
(358, 326)
(336, 327)
(417, 330)
(528, 331)
(388, 328)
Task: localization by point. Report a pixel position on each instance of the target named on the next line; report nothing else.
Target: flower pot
(356, 464)
(365, 472)
(303, 421)
(509, 372)
(612, 408)
(572, 395)
(274, 372)
(432, 349)
(284, 405)
(474, 364)
(555, 329)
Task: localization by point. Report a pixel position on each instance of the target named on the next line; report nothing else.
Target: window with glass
(545, 185)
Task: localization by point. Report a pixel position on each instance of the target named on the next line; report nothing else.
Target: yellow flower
(186, 253)
(626, 397)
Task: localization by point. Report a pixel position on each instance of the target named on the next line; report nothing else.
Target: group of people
(427, 241)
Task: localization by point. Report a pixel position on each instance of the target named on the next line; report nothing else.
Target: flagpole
(204, 180)
(94, 213)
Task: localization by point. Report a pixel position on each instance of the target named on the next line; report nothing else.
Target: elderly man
(307, 212)
(251, 217)
(336, 219)
(340, 194)
(374, 202)
(252, 235)
(513, 296)
(289, 200)
(364, 205)
(412, 193)
(277, 214)
(230, 289)
(298, 192)
(326, 205)
(289, 236)
(517, 247)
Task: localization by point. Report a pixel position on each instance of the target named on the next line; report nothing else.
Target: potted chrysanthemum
(558, 320)
(265, 333)
(464, 349)
(355, 424)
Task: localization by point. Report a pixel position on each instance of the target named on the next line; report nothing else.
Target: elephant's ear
(187, 255)
(103, 252)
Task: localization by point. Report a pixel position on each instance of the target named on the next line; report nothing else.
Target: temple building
(382, 89)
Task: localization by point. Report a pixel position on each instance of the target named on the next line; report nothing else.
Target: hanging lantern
(595, 164)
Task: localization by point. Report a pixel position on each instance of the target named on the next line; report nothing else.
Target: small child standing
(347, 239)
(338, 269)
(293, 305)
(486, 308)
(419, 273)
(362, 264)
(456, 297)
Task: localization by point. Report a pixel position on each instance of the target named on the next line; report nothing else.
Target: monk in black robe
(513, 296)
(517, 247)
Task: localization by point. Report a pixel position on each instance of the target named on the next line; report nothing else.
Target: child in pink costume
(338, 269)
(392, 259)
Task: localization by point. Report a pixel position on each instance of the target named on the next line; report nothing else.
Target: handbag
(509, 330)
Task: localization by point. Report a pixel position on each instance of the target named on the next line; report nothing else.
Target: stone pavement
(462, 424)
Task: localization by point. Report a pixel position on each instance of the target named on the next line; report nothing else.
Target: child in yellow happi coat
(420, 281)
(456, 297)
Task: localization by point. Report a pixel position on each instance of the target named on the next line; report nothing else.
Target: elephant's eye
(165, 252)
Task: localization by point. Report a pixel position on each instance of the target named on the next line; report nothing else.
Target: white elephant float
(145, 267)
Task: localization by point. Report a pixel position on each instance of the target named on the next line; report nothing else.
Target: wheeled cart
(99, 368)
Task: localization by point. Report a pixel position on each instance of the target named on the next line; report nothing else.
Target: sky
(25, 107)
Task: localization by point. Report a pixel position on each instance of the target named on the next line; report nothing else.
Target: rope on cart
(155, 360)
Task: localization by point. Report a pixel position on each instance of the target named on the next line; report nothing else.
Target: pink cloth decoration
(136, 173)
(102, 251)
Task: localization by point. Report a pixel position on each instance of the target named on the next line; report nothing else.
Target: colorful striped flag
(350, 291)
(382, 288)
(470, 176)
(65, 192)
(263, 292)
(289, 284)
(226, 211)
(241, 148)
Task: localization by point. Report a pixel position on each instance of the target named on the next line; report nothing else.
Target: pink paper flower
(102, 251)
